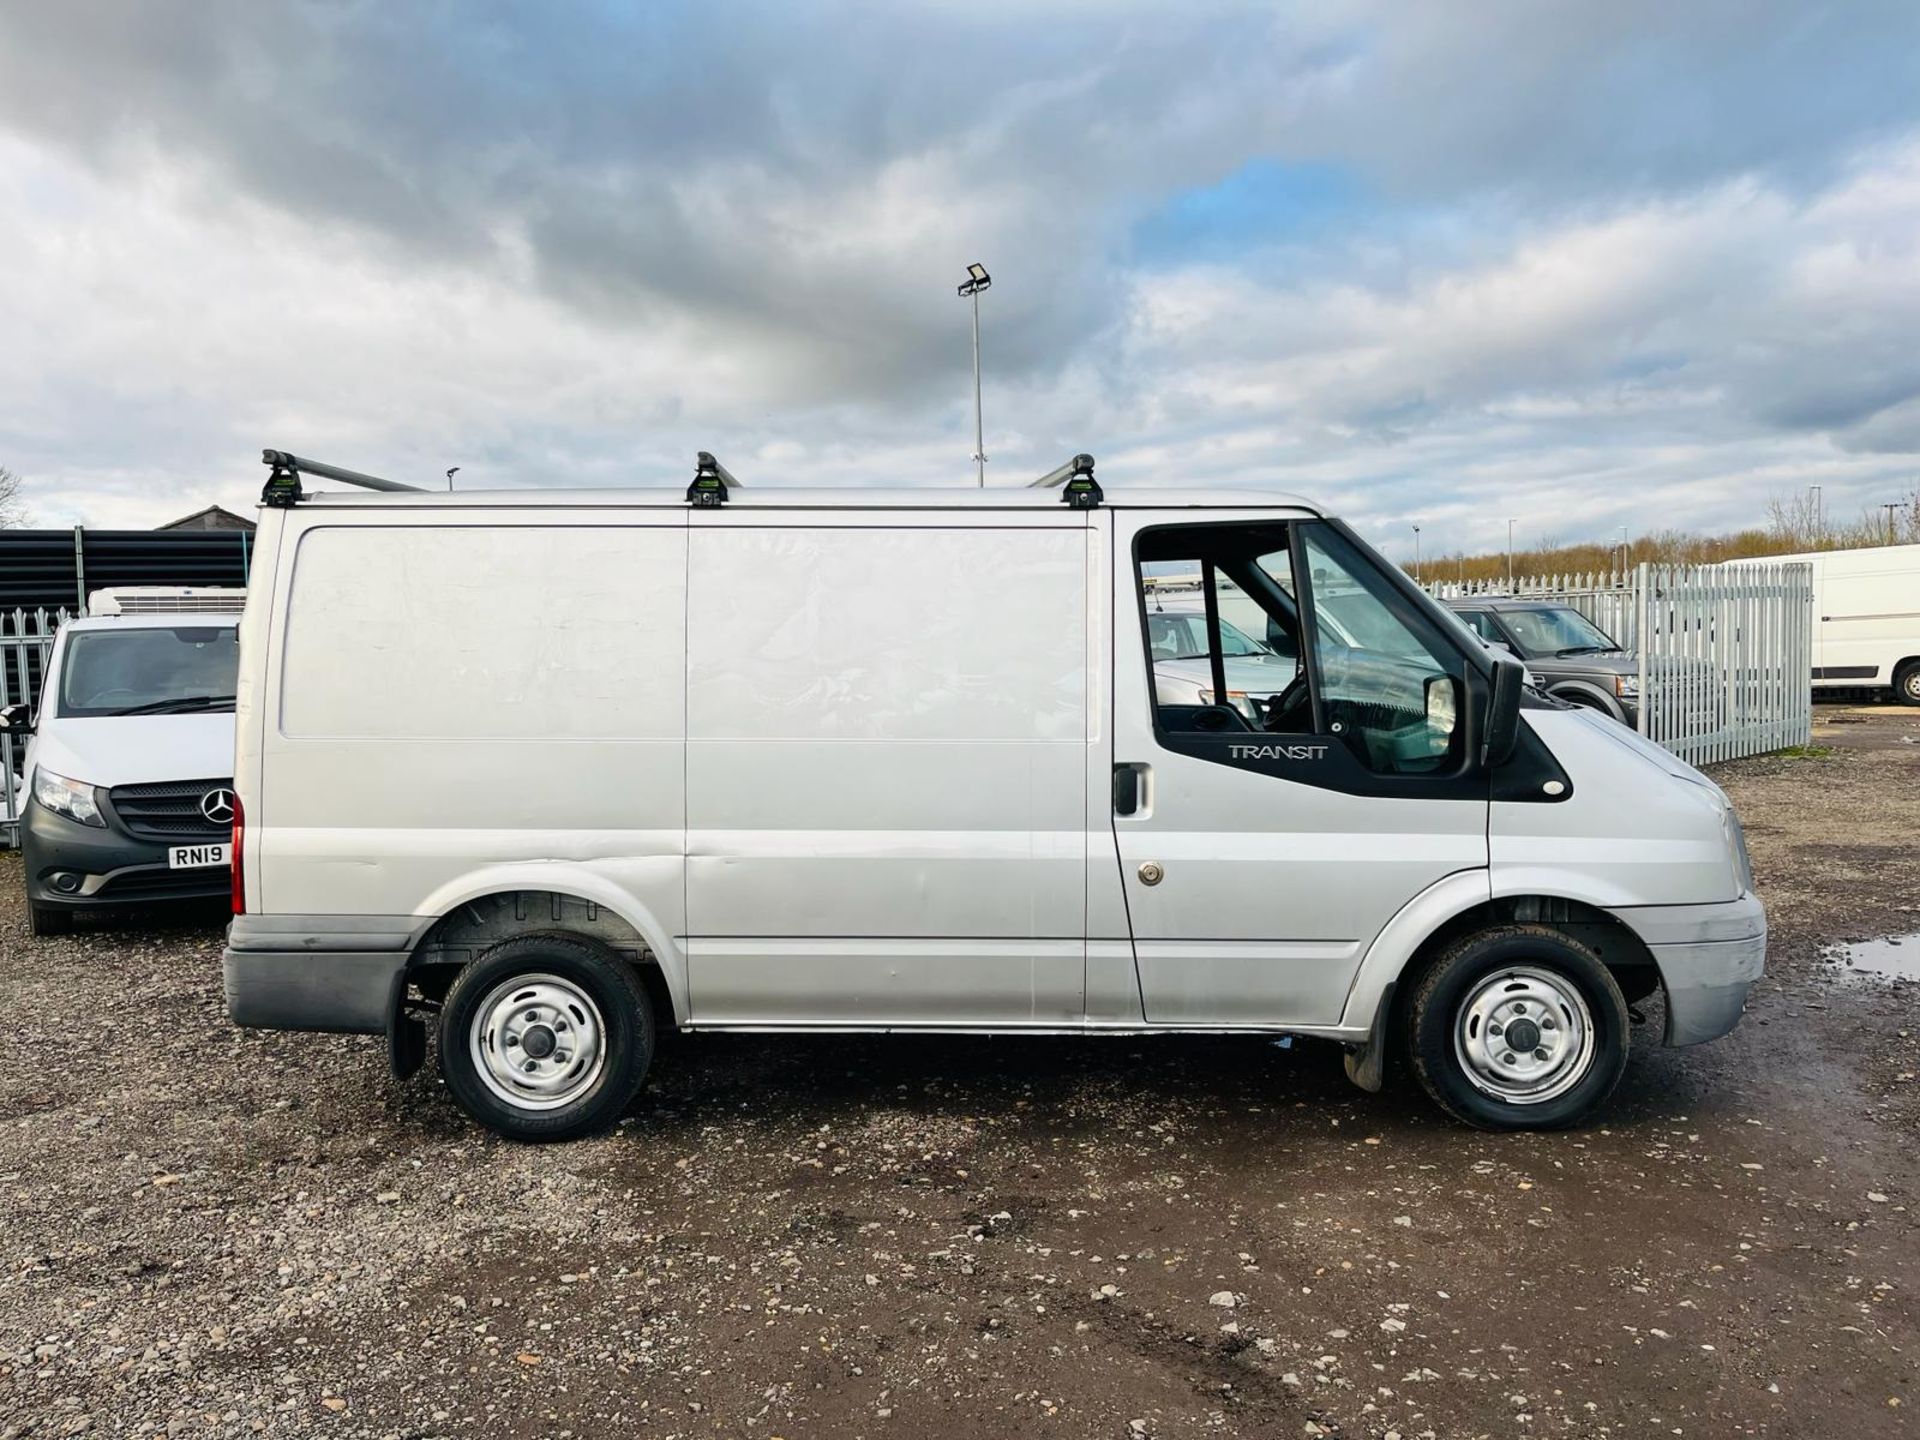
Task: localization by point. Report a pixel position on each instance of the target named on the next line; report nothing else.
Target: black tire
(1462, 973)
(626, 1026)
(45, 920)
(1906, 683)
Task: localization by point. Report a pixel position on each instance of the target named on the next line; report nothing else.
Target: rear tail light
(239, 866)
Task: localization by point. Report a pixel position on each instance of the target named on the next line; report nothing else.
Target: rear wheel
(1519, 1028)
(1906, 683)
(546, 1037)
(44, 920)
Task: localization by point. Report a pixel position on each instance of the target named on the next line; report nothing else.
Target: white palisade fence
(25, 638)
(1725, 652)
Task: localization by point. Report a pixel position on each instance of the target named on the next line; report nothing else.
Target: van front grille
(168, 811)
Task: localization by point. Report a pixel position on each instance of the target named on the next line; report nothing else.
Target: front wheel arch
(1622, 951)
(1589, 697)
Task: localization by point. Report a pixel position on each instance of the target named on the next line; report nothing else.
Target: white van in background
(896, 760)
(1866, 618)
(127, 778)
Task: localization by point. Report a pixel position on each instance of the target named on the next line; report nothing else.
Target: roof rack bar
(283, 485)
(712, 483)
(1079, 489)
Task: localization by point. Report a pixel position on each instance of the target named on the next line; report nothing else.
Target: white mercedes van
(548, 770)
(127, 792)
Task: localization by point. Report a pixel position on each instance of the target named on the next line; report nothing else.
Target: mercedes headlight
(67, 797)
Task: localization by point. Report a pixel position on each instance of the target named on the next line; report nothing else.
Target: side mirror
(1503, 711)
(1500, 647)
(15, 719)
(1443, 706)
(1279, 641)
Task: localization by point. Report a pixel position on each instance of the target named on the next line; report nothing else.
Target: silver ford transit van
(545, 771)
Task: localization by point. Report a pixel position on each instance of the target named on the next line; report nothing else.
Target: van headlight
(1626, 687)
(67, 797)
(1736, 834)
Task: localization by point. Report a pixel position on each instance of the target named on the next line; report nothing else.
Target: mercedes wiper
(178, 705)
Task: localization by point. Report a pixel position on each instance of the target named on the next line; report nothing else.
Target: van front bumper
(101, 866)
(336, 973)
(1709, 957)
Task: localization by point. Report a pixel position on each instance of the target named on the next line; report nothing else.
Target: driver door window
(1227, 634)
(1222, 630)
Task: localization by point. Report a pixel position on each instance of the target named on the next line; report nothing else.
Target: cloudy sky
(1582, 264)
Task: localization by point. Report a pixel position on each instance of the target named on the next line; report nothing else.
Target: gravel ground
(218, 1232)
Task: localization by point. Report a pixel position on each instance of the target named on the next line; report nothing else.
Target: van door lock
(1151, 873)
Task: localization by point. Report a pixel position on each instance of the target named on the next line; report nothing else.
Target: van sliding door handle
(1129, 789)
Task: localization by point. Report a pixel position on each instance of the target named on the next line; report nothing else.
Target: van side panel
(467, 695)
(887, 737)
(1866, 613)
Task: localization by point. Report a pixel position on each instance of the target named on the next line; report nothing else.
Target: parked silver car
(1574, 658)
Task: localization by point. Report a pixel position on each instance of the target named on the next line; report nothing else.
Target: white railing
(1725, 652)
(25, 638)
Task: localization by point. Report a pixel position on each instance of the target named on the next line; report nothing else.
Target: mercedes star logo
(217, 806)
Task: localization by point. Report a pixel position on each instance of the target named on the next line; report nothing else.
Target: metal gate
(25, 638)
(1725, 652)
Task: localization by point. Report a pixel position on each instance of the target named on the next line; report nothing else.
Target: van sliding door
(886, 768)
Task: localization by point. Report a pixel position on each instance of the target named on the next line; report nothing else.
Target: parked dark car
(1575, 659)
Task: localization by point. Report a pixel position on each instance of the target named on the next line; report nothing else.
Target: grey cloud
(570, 244)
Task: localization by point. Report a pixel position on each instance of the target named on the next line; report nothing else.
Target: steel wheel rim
(1912, 684)
(1529, 1003)
(538, 1042)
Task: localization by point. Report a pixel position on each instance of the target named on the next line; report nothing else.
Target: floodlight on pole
(977, 280)
(1416, 554)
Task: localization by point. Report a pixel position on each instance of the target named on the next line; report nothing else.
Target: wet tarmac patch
(1895, 958)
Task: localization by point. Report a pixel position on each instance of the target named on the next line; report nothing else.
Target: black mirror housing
(15, 719)
(1503, 712)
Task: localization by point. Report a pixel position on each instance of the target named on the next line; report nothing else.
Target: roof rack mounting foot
(1078, 489)
(713, 484)
(283, 490)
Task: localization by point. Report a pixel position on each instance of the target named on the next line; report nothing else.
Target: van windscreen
(150, 670)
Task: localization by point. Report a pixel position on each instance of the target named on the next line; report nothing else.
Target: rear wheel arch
(479, 923)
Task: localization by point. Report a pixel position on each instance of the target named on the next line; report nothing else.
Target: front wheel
(44, 920)
(1519, 1028)
(546, 1037)
(1906, 683)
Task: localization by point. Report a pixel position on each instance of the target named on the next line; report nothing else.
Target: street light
(1416, 554)
(1510, 557)
(977, 280)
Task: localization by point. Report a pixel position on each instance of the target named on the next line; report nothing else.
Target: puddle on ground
(1896, 958)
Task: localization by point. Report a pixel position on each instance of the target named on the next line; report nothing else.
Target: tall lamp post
(1416, 554)
(977, 280)
(1510, 557)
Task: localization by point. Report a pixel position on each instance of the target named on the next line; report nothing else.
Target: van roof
(156, 620)
(845, 498)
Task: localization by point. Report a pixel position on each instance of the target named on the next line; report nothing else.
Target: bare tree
(13, 510)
